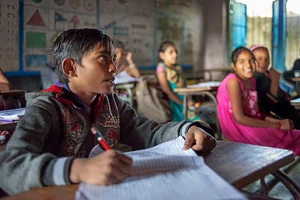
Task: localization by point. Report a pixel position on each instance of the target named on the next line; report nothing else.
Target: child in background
(170, 76)
(270, 95)
(4, 83)
(126, 68)
(52, 141)
(286, 82)
(238, 111)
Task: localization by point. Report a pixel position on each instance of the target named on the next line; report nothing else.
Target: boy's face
(95, 74)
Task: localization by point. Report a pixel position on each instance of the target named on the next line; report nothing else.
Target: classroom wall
(213, 49)
(197, 27)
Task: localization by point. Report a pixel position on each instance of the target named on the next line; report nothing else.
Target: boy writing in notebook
(52, 141)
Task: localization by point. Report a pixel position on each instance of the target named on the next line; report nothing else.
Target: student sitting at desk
(52, 141)
(270, 95)
(170, 76)
(286, 82)
(4, 83)
(238, 111)
(126, 68)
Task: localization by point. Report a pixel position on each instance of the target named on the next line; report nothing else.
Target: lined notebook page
(165, 172)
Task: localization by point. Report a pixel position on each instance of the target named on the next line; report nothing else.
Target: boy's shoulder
(38, 96)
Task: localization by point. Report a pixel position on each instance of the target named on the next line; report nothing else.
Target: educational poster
(44, 20)
(143, 25)
(9, 32)
(131, 22)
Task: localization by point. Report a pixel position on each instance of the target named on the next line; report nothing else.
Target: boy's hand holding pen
(107, 168)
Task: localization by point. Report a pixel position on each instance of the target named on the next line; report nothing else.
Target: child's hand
(286, 124)
(107, 168)
(129, 58)
(199, 141)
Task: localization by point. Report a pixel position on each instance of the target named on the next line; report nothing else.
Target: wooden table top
(241, 164)
(296, 79)
(238, 164)
(192, 90)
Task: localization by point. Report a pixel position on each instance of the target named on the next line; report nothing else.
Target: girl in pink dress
(238, 113)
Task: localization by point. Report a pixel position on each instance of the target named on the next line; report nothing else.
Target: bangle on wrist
(278, 125)
(131, 65)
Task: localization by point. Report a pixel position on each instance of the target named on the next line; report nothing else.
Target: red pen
(100, 138)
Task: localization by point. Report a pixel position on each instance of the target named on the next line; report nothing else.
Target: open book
(165, 171)
(11, 115)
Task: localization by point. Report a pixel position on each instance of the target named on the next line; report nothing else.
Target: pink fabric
(272, 137)
(159, 69)
(255, 46)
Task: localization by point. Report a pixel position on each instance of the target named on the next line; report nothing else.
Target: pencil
(275, 115)
(100, 138)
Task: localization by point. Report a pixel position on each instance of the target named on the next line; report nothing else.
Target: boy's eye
(104, 58)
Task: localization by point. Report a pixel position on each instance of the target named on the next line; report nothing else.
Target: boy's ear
(69, 67)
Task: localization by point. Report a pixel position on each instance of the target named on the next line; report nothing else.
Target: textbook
(165, 171)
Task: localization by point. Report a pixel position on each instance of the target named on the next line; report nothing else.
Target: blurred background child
(170, 76)
(126, 68)
(4, 83)
(286, 82)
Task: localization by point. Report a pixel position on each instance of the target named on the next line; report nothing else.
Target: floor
(278, 191)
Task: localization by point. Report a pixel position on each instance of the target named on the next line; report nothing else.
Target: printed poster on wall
(9, 34)
(44, 20)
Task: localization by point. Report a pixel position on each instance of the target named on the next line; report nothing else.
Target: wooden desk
(296, 103)
(207, 90)
(238, 164)
(224, 70)
(12, 92)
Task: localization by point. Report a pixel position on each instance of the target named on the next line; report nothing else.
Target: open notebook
(11, 115)
(165, 172)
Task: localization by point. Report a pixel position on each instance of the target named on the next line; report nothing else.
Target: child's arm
(163, 82)
(131, 69)
(140, 132)
(274, 76)
(4, 83)
(235, 96)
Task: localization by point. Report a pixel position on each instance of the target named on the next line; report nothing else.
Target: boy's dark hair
(235, 54)
(74, 44)
(163, 46)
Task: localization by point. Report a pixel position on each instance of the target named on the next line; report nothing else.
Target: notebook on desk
(165, 172)
(11, 115)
